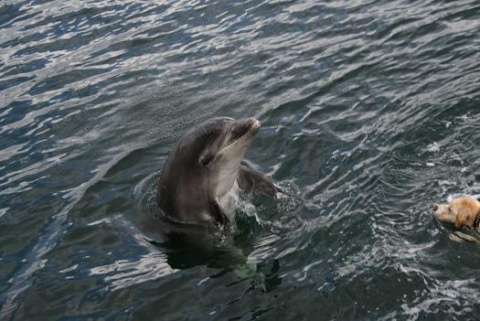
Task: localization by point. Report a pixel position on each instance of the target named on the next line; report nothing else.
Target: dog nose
(435, 207)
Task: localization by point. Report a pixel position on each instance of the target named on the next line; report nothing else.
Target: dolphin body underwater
(206, 169)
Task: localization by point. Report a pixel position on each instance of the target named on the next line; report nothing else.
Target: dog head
(462, 211)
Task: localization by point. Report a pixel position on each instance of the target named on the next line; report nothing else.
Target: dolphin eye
(206, 160)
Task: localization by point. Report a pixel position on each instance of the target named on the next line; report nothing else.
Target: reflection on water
(123, 273)
(369, 116)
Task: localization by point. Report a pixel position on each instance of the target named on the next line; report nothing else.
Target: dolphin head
(204, 166)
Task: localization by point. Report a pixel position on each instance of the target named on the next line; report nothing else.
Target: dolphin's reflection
(188, 246)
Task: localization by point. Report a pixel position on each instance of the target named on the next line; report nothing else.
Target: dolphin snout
(255, 123)
(251, 123)
(244, 126)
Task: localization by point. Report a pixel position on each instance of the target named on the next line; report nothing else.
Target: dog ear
(463, 219)
(460, 220)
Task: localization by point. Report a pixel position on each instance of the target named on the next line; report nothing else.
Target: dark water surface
(370, 113)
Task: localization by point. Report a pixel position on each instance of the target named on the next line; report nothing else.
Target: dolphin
(206, 168)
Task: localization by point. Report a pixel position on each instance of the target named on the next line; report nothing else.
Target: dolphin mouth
(241, 136)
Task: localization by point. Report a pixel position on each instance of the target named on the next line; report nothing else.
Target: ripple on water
(369, 113)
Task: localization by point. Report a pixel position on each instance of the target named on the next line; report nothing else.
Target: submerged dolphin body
(206, 168)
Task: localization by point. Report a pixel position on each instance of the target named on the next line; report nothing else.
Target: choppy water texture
(370, 113)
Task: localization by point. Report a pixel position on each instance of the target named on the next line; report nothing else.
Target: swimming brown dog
(462, 211)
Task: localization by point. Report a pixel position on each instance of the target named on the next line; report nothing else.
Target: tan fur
(461, 211)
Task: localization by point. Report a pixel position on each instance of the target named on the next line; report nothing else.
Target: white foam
(433, 147)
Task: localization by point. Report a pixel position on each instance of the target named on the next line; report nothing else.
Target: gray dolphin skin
(205, 168)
